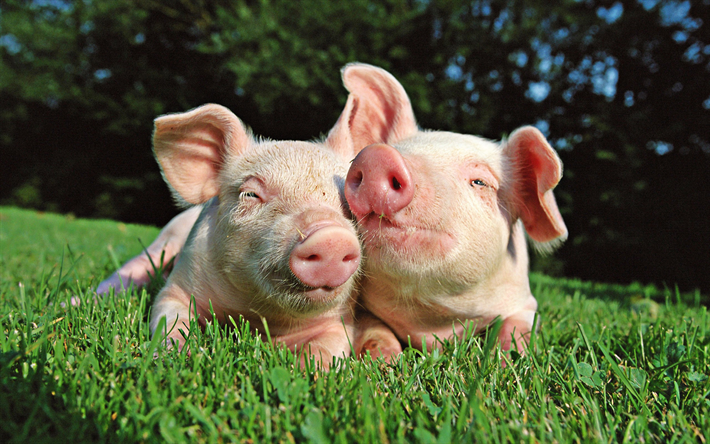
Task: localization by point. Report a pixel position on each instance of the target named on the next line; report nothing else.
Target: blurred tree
(621, 88)
(80, 84)
(639, 174)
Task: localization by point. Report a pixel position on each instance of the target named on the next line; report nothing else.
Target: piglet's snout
(378, 182)
(326, 258)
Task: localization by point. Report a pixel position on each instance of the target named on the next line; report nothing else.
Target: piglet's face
(283, 227)
(432, 205)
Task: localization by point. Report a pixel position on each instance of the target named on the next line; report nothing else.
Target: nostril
(313, 258)
(356, 179)
(351, 257)
(395, 184)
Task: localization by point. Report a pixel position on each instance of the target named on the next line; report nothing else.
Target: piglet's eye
(250, 194)
(478, 182)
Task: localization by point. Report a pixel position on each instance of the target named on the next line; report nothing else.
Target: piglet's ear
(536, 170)
(378, 110)
(191, 148)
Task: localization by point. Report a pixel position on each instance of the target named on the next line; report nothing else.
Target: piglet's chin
(323, 295)
(306, 302)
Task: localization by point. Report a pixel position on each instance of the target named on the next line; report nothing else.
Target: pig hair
(545, 248)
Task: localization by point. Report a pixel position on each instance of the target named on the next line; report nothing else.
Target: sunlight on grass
(602, 368)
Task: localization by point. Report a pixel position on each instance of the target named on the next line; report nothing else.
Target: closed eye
(249, 194)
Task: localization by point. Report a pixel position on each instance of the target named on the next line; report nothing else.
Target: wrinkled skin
(270, 244)
(443, 218)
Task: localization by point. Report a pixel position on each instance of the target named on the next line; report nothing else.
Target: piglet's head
(279, 239)
(440, 204)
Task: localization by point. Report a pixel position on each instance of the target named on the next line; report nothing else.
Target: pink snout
(378, 182)
(327, 257)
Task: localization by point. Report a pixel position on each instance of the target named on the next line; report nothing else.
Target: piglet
(351, 132)
(273, 241)
(443, 218)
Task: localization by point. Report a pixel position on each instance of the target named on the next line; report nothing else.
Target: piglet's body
(272, 241)
(443, 218)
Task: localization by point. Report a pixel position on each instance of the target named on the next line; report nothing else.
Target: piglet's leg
(516, 329)
(171, 240)
(173, 304)
(372, 335)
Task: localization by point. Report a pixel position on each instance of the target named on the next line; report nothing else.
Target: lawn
(609, 364)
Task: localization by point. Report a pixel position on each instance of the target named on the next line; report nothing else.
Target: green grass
(610, 364)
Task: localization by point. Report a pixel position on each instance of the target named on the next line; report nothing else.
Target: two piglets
(443, 218)
(273, 240)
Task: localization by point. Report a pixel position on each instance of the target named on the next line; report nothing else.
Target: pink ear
(378, 110)
(536, 170)
(191, 148)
